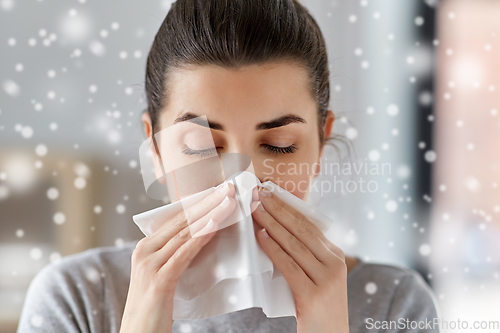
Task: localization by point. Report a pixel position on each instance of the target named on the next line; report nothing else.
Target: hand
(313, 267)
(159, 259)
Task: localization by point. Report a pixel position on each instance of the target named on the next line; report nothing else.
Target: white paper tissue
(232, 272)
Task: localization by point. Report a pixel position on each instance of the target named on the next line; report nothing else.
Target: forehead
(272, 86)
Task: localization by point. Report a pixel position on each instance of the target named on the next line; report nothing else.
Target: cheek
(294, 173)
(298, 185)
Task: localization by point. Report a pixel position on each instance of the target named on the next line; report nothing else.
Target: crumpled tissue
(232, 272)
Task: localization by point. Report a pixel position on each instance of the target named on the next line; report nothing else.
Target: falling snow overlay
(414, 93)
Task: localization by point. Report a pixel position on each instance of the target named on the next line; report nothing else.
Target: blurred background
(415, 84)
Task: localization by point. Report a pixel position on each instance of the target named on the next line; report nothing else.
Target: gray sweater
(86, 292)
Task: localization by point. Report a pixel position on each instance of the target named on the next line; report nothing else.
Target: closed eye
(200, 152)
(280, 150)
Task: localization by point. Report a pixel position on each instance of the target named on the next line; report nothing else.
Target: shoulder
(383, 272)
(90, 265)
(390, 292)
(397, 283)
(65, 292)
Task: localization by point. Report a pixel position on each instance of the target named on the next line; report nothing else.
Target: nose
(238, 146)
(236, 162)
(237, 157)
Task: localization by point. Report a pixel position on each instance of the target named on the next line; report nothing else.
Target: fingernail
(265, 193)
(225, 202)
(260, 206)
(255, 194)
(224, 188)
(264, 232)
(210, 224)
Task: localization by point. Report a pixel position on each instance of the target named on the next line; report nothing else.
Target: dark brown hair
(235, 33)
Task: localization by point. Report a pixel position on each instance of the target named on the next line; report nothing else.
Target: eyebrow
(281, 121)
(192, 118)
(278, 122)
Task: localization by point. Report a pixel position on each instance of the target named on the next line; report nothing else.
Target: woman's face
(264, 111)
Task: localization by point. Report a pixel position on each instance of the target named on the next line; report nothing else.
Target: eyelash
(211, 151)
(202, 153)
(281, 150)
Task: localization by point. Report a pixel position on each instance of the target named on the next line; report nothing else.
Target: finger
(294, 275)
(255, 194)
(288, 208)
(188, 215)
(186, 253)
(299, 216)
(334, 248)
(297, 224)
(290, 244)
(195, 212)
(195, 230)
(218, 214)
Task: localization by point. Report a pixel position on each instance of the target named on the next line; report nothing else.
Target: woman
(259, 71)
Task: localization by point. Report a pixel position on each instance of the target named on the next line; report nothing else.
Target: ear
(327, 130)
(148, 129)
